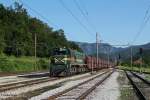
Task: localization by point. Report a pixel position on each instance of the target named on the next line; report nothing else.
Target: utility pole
(141, 51)
(141, 64)
(115, 61)
(92, 64)
(97, 49)
(131, 58)
(108, 56)
(35, 40)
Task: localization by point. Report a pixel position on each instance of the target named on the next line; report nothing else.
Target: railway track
(141, 78)
(23, 77)
(140, 85)
(24, 89)
(34, 75)
(81, 90)
(16, 85)
(9, 91)
(135, 71)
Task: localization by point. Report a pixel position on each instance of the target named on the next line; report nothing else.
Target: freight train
(66, 62)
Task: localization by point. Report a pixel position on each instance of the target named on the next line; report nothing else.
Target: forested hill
(18, 29)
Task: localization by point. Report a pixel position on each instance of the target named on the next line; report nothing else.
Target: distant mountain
(90, 48)
(125, 53)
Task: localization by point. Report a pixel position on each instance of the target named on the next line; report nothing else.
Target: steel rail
(135, 71)
(139, 77)
(7, 87)
(74, 87)
(138, 91)
(92, 88)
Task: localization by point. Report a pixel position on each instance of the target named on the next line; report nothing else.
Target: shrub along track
(141, 86)
(81, 90)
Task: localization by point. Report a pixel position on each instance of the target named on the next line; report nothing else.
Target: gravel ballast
(108, 90)
(66, 85)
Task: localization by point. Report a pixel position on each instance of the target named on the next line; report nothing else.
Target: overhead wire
(50, 22)
(83, 7)
(143, 24)
(43, 17)
(71, 13)
(84, 15)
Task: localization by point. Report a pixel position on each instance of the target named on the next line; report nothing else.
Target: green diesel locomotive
(65, 62)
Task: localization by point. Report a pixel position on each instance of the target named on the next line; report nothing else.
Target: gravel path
(109, 90)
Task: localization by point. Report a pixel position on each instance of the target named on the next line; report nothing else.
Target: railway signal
(35, 50)
(141, 50)
(119, 56)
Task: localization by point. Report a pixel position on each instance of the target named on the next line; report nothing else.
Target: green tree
(18, 29)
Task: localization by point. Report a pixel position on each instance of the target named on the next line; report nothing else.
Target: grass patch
(147, 77)
(126, 91)
(22, 64)
(138, 69)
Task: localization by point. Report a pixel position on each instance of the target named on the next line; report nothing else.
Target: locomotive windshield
(60, 51)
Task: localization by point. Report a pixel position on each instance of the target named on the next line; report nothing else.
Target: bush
(21, 64)
(43, 64)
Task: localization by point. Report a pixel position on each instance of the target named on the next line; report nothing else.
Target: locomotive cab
(60, 55)
(59, 61)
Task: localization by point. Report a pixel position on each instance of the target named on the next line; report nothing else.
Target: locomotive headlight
(65, 59)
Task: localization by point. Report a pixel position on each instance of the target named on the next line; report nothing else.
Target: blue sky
(116, 21)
